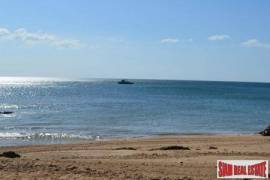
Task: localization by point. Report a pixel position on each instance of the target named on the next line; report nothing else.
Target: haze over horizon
(222, 40)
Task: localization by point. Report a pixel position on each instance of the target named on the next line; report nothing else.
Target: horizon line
(118, 78)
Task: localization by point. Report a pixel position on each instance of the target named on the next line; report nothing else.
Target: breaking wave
(45, 136)
(8, 106)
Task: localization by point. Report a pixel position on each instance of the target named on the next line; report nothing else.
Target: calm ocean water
(60, 111)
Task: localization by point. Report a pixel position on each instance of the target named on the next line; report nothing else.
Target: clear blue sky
(153, 39)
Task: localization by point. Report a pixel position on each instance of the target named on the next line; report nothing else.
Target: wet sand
(144, 158)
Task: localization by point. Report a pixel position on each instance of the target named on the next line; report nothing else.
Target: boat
(123, 81)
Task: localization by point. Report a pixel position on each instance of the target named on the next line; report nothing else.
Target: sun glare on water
(25, 80)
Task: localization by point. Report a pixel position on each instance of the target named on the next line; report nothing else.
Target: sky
(224, 40)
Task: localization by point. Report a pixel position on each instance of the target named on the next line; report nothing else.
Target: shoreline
(112, 138)
(136, 158)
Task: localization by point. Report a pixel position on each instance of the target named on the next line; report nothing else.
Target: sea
(51, 110)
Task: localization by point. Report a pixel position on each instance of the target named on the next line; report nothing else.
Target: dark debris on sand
(165, 148)
(126, 148)
(266, 131)
(10, 154)
(213, 147)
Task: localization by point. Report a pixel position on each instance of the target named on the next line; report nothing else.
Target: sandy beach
(194, 157)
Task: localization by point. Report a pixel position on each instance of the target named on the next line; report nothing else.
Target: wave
(45, 136)
(9, 106)
(10, 135)
(8, 115)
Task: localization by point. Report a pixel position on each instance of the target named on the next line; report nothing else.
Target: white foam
(43, 136)
(9, 106)
(10, 135)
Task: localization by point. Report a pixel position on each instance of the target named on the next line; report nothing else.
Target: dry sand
(117, 159)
